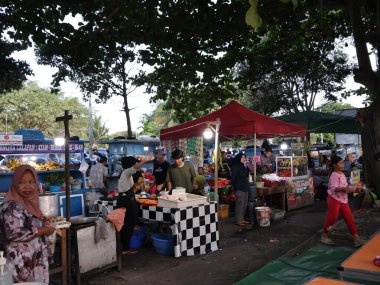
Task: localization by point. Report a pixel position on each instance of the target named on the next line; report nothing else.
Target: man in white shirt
(126, 198)
(99, 175)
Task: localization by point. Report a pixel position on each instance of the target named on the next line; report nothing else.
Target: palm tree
(100, 129)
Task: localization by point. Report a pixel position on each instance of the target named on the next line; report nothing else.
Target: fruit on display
(50, 165)
(13, 163)
(285, 173)
(297, 161)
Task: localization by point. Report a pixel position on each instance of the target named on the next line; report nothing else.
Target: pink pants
(334, 207)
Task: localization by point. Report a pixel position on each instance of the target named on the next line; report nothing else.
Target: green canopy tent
(318, 122)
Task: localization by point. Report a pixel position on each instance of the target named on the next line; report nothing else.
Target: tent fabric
(320, 260)
(318, 122)
(236, 120)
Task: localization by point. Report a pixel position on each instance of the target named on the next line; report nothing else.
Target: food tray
(61, 225)
(192, 200)
(276, 214)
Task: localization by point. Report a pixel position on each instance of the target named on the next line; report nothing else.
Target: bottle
(207, 192)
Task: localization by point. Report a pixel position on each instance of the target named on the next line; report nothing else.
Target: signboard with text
(39, 148)
(13, 140)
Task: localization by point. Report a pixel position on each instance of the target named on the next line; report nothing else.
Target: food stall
(294, 170)
(232, 122)
(32, 148)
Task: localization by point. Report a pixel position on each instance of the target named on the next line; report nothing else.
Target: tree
(161, 117)
(101, 132)
(33, 107)
(362, 18)
(12, 72)
(301, 65)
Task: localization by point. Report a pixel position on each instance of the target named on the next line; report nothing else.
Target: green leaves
(252, 18)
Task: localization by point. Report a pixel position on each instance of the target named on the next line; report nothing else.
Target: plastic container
(138, 238)
(263, 216)
(223, 211)
(163, 243)
(277, 214)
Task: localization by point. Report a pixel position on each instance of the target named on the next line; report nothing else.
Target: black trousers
(127, 200)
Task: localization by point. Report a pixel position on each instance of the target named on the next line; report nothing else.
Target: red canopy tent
(236, 120)
(233, 121)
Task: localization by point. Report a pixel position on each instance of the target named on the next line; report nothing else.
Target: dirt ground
(241, 251)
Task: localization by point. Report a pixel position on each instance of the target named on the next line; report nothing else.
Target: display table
(90, 256)
(195, 228)
(360, 264)
(327, 281)
(63, 266)
(269, 191)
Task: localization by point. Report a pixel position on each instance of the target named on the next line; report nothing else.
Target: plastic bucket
(138, 238)
(163, 243)
(263, 216)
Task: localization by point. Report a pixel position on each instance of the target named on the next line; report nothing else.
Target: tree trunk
(127, 114)
(369, 118)
(125, 98)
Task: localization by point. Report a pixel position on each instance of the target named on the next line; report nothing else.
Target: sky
(111, 113)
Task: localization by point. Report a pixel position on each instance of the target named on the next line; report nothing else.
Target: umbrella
(318, 122)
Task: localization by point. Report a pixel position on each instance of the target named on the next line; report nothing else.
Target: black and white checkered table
(195, 228)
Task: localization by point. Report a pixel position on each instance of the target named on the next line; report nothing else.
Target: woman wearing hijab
(240, 183)
(21, 223)
(126, 198)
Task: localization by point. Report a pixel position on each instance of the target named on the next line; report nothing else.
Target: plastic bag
(83, 166)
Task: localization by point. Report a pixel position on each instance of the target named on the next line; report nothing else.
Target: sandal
(246, 222)
(358, 243)
(327, 241)
(241, 224)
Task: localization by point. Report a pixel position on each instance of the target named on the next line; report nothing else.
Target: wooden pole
(66, 118)
(217, 126)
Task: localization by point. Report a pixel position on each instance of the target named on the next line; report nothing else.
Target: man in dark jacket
(239, 180)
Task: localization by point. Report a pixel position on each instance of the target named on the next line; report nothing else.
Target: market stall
(194, 228)
(233, 121)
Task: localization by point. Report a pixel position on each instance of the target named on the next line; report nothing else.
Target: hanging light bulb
(146, 148)
(283, 146)
(208, 133)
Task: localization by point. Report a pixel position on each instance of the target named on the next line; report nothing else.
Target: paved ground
(242, 252)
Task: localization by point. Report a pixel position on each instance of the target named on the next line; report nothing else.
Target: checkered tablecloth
(195, 228)
(109, 204)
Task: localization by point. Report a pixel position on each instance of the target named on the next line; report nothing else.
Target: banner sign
(14, 140)
(39, 148)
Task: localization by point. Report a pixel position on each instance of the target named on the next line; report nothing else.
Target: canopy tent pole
(254, 158)
(66, 118)
(217, 127)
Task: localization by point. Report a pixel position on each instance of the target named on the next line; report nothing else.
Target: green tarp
(318, 122)
(320, 260)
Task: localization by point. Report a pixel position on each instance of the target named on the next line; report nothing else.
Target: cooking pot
(49, 205)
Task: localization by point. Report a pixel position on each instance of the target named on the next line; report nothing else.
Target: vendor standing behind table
(200, 182)
(99, 175)
(180, 173)
(126, 198)
(21, 224)
(266, 163)
(160, 169)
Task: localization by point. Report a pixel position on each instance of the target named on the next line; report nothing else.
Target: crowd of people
(24, 232)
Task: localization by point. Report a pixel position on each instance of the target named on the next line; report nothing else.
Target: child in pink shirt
(337, 202)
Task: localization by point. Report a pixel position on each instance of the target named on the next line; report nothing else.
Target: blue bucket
(138, 238)
(163, 243)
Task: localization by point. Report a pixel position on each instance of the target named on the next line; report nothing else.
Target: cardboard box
(223, 211)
